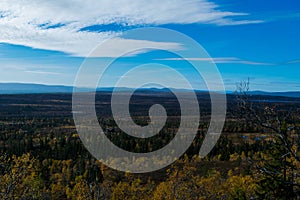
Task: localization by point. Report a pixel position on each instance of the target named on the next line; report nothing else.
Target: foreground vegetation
(42, 156)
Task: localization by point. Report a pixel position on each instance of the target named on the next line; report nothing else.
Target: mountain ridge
(32, 88)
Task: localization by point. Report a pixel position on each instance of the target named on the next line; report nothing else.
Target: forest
(256, 157)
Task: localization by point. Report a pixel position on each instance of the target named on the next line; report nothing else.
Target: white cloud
(25, 22)
(292, 62)
(232, 60)
(116, 47)
(42, 72)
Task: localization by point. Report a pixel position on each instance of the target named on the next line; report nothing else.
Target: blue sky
(47, 41)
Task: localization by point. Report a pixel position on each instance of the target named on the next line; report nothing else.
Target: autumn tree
(20, 178)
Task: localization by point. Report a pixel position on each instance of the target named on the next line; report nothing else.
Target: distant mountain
(25, 88)
(294, 94)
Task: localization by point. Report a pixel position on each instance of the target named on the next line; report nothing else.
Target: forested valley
(256, 157)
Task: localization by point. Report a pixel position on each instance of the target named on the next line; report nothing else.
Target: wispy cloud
(116, 46)
(293, 61)
(230, 60)
(42, 72)
(226, 22)
(60, 25)
(279, 16)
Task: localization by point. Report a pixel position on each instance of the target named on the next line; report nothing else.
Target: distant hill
(294, 94)
(25, 88)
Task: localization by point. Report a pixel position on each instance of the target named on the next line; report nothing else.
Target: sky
(46, 42)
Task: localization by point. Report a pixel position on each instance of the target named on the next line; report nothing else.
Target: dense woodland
(257, 156)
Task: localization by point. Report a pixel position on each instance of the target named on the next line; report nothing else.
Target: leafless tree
(284, 133)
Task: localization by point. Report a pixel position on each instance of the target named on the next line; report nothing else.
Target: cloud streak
(59, 25)
(42, 72)
(222, 60)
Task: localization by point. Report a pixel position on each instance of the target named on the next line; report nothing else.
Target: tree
(19, 178)
(134, 190)
(280, 165)
(80, 191)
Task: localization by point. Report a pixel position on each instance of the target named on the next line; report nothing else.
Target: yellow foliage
(132, 191)
(80, 191)
(21, 180)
